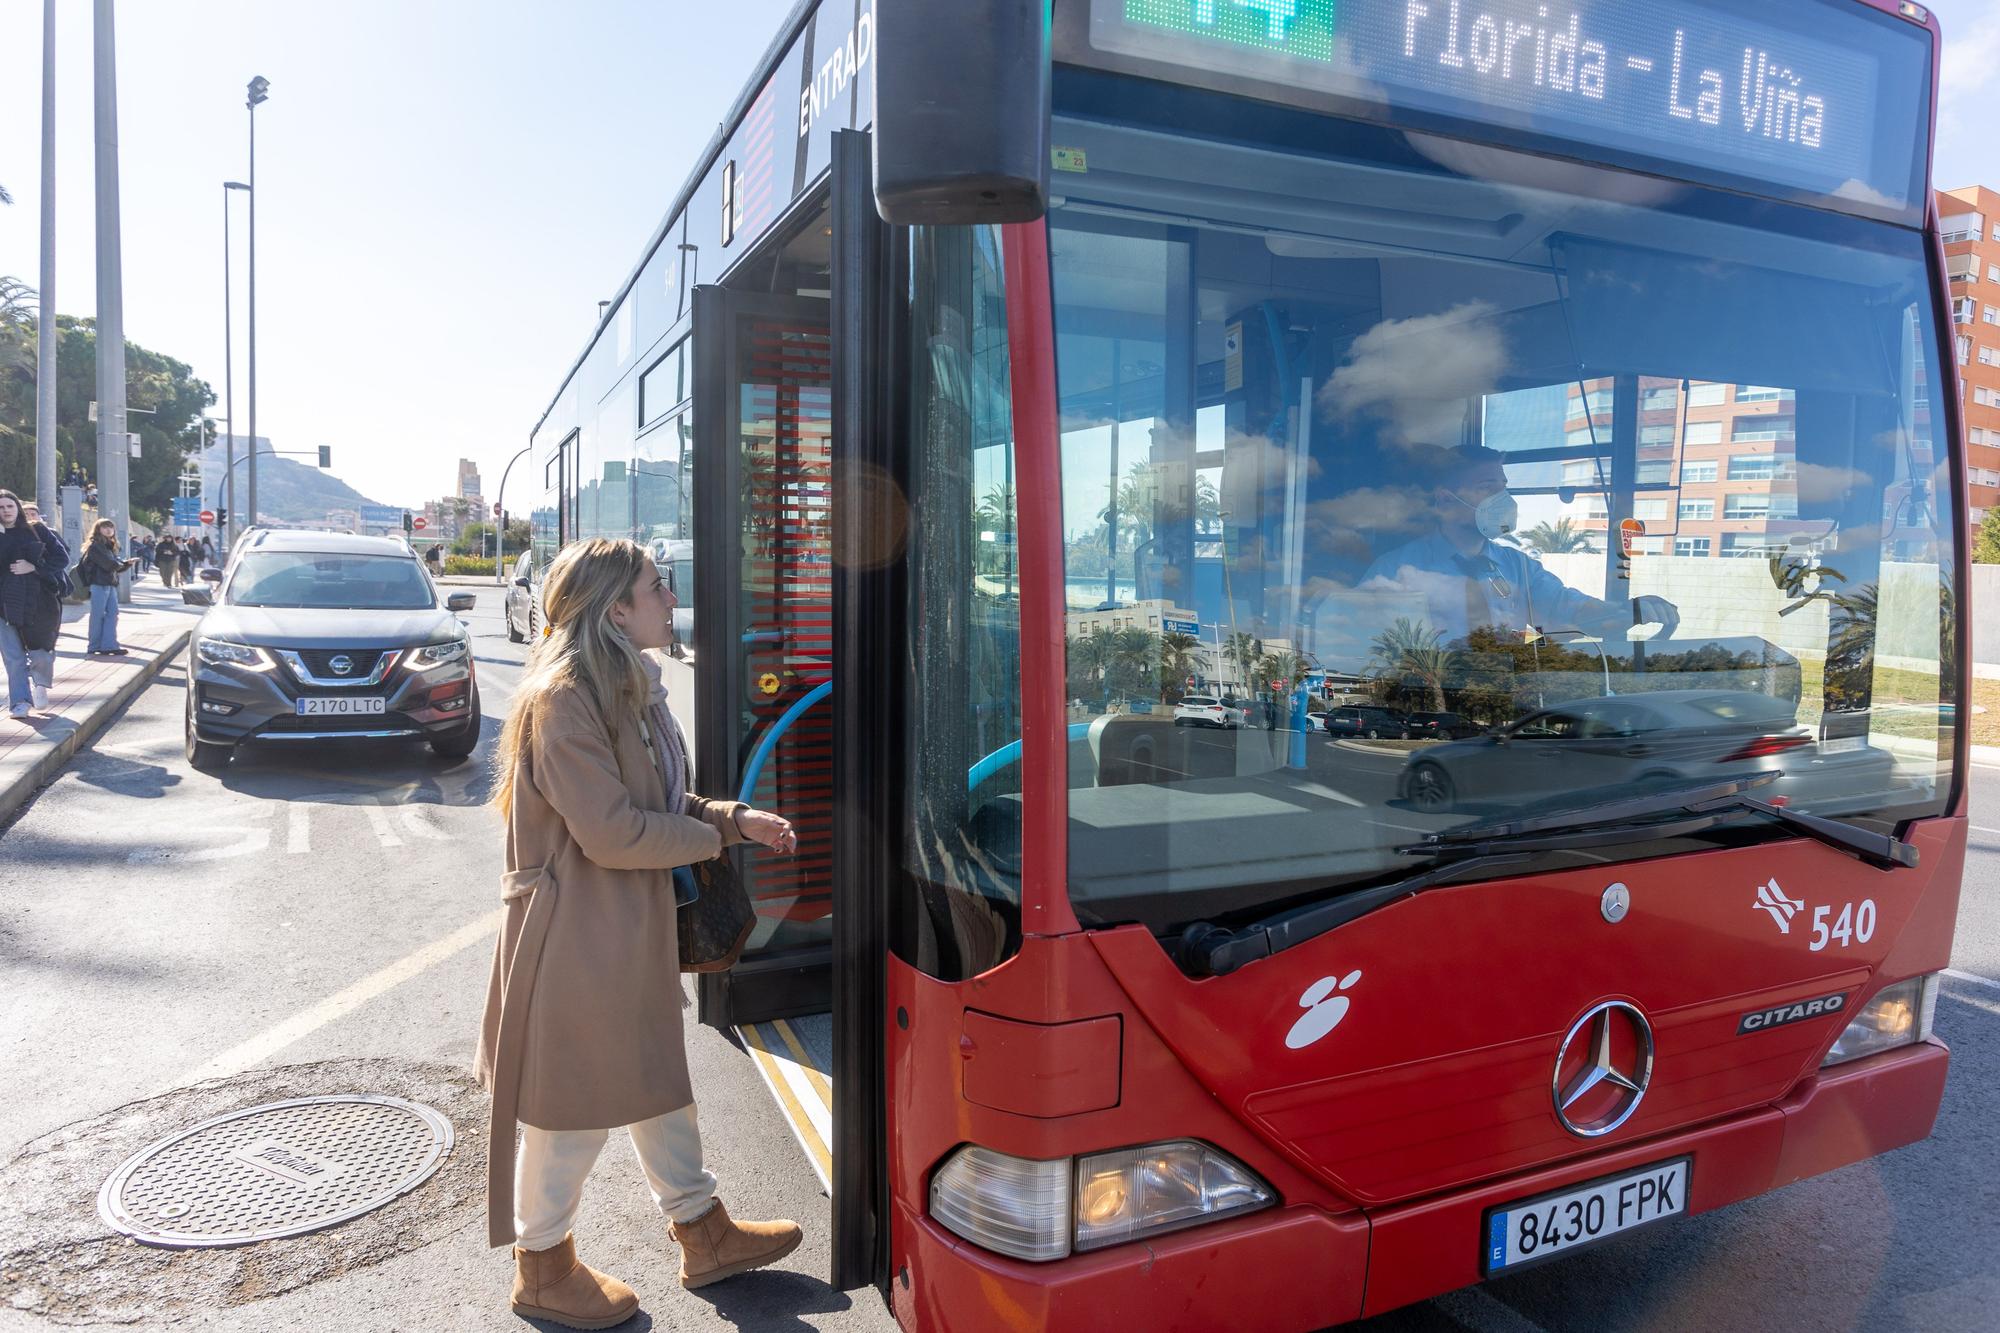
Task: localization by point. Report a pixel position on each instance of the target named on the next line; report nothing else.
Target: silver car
(315, 636)
(1622, 740)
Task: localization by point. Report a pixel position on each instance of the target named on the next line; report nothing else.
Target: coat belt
(509, 1048)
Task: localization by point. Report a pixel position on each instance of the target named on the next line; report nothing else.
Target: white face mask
(1495, 516)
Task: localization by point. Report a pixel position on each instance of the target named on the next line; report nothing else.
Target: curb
(44, 770)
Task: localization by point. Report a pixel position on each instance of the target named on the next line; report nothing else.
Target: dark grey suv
(323, 636)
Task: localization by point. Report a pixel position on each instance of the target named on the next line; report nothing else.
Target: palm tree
(1089, 658)
(1242, 651)
(1176, 662)
(1560, 537)
(1407, 649)
(1131, 663)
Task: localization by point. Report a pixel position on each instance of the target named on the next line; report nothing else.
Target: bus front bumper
(1297, 1268)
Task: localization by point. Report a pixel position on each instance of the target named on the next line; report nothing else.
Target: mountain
(289, 490)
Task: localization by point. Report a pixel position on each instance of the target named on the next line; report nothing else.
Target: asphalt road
(321, 920)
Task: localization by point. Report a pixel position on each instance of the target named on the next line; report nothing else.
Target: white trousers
(552, 1165)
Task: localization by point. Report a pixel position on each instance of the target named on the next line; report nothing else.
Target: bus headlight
(1899, 1015)
(1042, 1210)
(1137, 1192)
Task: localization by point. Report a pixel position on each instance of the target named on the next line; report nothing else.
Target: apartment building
(1970, 221)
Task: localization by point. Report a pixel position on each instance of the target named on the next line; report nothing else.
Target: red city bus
(1572, 382)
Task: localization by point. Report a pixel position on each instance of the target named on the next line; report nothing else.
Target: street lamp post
(228, 377)
(259, 89)
(500, 516)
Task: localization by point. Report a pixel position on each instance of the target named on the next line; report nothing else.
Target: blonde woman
(582, 1031)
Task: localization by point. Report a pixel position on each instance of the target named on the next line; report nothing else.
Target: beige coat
(583, 1012)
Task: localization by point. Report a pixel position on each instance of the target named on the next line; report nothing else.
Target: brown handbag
(715, 923)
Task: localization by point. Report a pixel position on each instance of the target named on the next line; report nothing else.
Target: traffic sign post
(208, 518)
(420, 522)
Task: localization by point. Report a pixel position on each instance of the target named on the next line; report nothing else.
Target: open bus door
(795, 587)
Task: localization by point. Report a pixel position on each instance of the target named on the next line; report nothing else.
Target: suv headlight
(1043, 1210)
(439, 654)
(221, 652)
(1899, 1015)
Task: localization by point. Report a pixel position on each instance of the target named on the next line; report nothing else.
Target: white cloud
(1417, 373)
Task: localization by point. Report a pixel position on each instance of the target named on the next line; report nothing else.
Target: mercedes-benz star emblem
(341, 664)
(1603, 1068)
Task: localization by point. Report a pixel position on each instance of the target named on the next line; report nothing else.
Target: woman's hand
(766, 829)
(22, 567)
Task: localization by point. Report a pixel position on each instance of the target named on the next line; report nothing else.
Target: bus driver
(1467, 579)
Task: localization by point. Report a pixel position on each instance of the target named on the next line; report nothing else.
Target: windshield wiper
(1210, 950)
(1706, 805)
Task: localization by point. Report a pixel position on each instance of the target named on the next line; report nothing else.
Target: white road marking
(1972, 977)
(253, 840)
(338, 1005)
(379, 819)
(1981, 828)
(418, 821)
(1975, 1002)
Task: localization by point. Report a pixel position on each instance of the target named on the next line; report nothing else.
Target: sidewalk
(88, 691)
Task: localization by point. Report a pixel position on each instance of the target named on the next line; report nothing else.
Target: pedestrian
(168, 555)
(27, 565)
(433, 560)
(187, 559)
(101, 568)
(582, 1029)
(144, 551)
(39, 635)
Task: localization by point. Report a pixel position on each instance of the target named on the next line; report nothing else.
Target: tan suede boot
(550, 1284)
(714, 1247)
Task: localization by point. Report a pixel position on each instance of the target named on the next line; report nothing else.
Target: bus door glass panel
(659, 517)
(1482, 449)
(781, 409)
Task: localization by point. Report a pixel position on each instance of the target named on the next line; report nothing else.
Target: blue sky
(448, 189)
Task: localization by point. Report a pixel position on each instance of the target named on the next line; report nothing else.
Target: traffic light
(221, 518)
(326, 455)
(409, 525)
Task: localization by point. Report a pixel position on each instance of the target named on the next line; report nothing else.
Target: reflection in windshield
(330, 582)
(1469, 498)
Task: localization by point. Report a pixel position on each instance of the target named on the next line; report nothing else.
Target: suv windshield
(1621, 493)
(330, 581)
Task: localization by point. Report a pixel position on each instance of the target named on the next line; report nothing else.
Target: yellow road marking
(802, 1128)
(813, 1075)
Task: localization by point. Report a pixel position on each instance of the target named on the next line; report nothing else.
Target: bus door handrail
(1008, 753)
(755, 769)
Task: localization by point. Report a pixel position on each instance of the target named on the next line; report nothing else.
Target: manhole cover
(281, 1169)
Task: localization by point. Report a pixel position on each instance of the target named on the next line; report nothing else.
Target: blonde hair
(582, 648)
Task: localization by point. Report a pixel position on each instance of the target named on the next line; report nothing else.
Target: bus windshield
(1470, 485)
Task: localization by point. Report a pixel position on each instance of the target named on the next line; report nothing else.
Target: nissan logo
(1602, 1070)
(341, 664)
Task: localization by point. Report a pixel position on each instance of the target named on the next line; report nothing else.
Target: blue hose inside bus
(1008, 753)
(755, 769)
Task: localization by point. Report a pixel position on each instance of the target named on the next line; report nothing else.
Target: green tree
(167, 433)
(1131, 666)
(1242, 651)
(1986, 549)
(1407, 650)
(1176, 664)
(1089, 656)
(1561, 536)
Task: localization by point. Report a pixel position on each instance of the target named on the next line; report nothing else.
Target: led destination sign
(1795, 95)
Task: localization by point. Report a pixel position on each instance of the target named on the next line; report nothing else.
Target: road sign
(187, 511)
(381, 516)
(208, 517)
(1181, 627)
(496, 509)
(420, 522)
(1629, 532)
